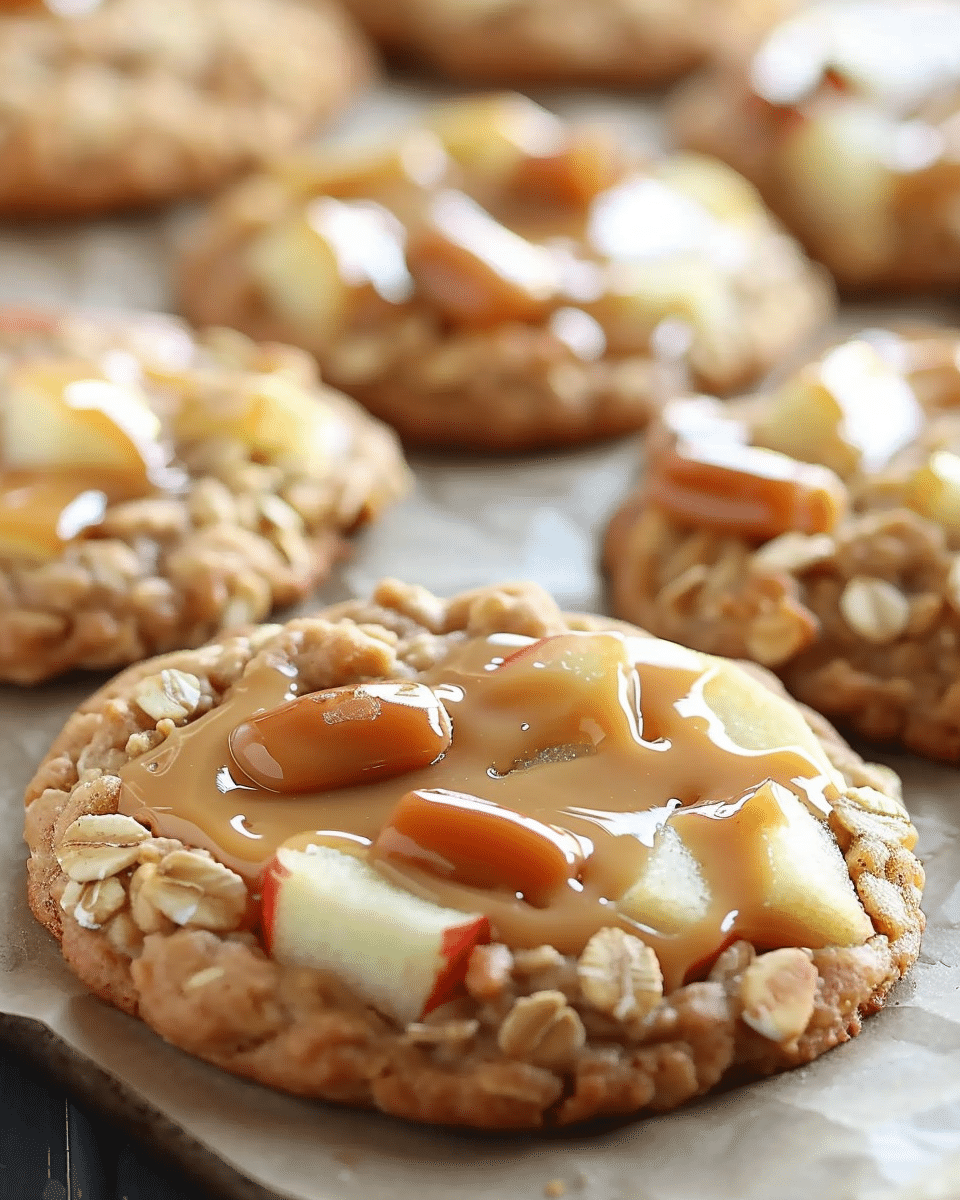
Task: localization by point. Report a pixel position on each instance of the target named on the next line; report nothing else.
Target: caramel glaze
(607, 736)
(41, 511)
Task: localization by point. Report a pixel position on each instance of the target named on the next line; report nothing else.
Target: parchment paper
(877, 1118)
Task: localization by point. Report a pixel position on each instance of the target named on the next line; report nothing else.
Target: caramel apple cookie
(107, 104)
(156, 489)
(816, 529)
(473, 862)
(846, 119)
(620, 43)
(496, 279)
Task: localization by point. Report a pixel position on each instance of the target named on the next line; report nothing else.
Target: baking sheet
(879, 1117)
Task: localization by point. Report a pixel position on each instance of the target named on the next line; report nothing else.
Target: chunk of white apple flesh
(798, 891)
(66, 416)
(330, 910)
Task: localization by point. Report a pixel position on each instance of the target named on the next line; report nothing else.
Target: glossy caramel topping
(501, 213)
(578, 767)
(40, 512)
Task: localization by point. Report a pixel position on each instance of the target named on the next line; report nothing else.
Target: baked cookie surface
(845, 119)
(118, 103)
(493, 955)
(815, 529)
(607, 42)
(497, 279)
(156, 488)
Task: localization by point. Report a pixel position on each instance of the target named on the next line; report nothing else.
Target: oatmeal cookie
(846, 120)
(497, 279)
(118, 103)
(816, 529)
(493, 955)
(620, 43)
(157, 488)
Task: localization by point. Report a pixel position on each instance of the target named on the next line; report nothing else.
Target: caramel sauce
(41, 511)
(604, 738)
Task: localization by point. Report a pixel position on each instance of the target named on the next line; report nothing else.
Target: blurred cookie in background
(157, 489)
(848, 120)
(620, 43)
(815, 529)
(498, 279)
(109, 104)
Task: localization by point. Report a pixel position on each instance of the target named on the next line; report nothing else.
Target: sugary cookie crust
(168, 571)
(536, 1042)
(516, 386)
(142, 101)
(606, 42)
(862, 624)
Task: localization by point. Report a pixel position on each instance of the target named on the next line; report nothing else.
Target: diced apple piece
(488, 135)
(810, 890)
(838, 182)
(319, 267)
(743, 490)
(69, 415)
(342, 737)
(476, 271)
(480, 844)
(702, 419)
(583, 659)
(853, 410)
(638, 296)
(934, 489)
(671, 895)
(754, 717)
(721, 190)
(403, 955)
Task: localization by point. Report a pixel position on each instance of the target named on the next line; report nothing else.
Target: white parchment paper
(877, 1119)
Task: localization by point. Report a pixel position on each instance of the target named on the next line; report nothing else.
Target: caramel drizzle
(611, 760)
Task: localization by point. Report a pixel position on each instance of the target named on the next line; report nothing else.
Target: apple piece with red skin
(403, 955)
(590, 657)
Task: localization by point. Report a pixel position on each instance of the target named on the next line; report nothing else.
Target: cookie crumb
(555, 1188)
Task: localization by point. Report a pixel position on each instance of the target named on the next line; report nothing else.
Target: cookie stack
(476, 860)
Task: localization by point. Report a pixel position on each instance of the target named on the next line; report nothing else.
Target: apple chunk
(70, 415)
(671, 895)
(841, 188)
(328, 262)
(329, 910)
(828, 413)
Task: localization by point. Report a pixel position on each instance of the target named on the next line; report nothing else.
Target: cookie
(157, 488)
(845, 119)
(816, 529)
(618, 43)
(409, 906)
(496, 279)
(118, 103)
